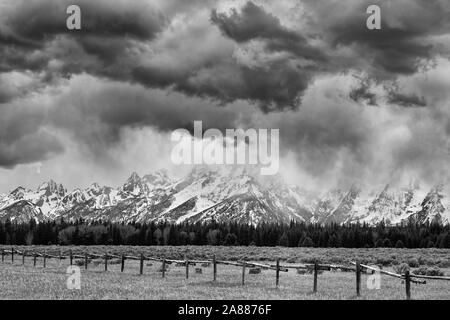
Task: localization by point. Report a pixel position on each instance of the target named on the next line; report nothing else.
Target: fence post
(187, 268)
(358, 279)
(316, 270)
(71, 257)
(3, 255)
(23, 257)
(123, 263)
(12, 255)
(243, 273)
(141, 266)
(45, 261)
(60, 257)
(106, 262)
(85, 260)
(408, 285)
(34, 259)
(214, 268)
(164, 267)
(277, 273)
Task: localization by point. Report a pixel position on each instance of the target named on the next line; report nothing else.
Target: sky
(353, 105)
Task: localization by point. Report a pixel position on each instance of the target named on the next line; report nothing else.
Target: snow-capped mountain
(234, 195)
(435, 206)
(225, 194)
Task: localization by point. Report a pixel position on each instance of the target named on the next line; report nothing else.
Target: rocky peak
(134, 185)
(18, 192)
(51, 187)
(157, 179)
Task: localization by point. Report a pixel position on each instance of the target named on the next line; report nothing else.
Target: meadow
(19, 281)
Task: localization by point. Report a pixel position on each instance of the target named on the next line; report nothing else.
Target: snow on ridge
(253, 198)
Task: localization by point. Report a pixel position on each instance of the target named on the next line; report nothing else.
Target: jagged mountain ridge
(231, 194)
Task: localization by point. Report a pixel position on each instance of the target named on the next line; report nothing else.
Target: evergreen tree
(230, 240)
(284, 241)
(307, 242)
(399, 244)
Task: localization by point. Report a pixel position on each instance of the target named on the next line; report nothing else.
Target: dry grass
(28, 282)
(379, 256)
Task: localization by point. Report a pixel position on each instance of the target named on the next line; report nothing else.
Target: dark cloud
(23, 137)
(34, 33)
(38, 146)
(253, 22)
(17, 58)
(110, 44)
(124, 41)
(403, 41)
(363, 94)
(280, 84)
(273, 87)
(405, 100)
(33, 21)
(393, 50)
(97, 120)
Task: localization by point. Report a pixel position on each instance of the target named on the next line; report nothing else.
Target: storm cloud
(349, 101)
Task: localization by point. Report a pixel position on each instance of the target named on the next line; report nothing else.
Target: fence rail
(356, 267)
(395, 275)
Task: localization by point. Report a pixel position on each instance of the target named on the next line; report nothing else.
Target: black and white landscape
(107, 110)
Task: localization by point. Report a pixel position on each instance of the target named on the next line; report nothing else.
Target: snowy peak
(51, 188)
(385, 202)
(134, 185)
(345, 207)
(435, 206)
(158, 179)
(227, 193)
(233, 195)
(19, 193)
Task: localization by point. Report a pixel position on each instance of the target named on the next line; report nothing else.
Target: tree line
(295, 234)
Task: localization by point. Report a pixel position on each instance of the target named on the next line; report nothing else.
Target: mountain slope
(226, 194)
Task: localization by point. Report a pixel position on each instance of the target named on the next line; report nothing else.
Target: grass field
(19, 281)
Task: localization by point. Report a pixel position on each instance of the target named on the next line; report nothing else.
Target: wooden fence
(356, 267)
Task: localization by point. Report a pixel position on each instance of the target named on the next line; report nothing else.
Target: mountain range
(226, 194)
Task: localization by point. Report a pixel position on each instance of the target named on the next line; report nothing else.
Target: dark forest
(79, 232)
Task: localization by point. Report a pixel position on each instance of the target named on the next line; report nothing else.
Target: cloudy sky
(352, 104)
